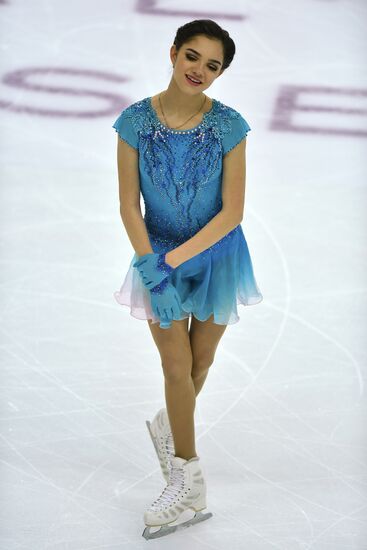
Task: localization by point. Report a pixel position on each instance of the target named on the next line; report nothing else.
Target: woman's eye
(190, 58)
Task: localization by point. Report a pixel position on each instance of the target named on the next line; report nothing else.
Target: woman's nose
(198, 70)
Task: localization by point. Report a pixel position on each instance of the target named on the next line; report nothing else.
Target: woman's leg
(204, 339)
(175, 351)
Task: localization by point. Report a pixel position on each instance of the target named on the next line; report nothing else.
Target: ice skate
(160, 432)
(181, 503)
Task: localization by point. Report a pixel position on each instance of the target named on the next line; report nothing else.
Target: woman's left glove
(153, 269)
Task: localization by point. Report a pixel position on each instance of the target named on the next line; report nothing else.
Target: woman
(185, 153)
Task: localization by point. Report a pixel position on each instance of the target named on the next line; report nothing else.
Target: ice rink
(281, 420)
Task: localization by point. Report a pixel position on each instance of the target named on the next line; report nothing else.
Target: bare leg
(204, 339)
(175, 351)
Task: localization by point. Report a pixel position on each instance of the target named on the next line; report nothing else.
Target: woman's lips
(191, 82)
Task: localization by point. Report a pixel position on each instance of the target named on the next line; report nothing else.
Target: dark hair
(212, 30)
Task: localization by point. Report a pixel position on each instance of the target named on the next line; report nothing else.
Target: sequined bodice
(180, 170)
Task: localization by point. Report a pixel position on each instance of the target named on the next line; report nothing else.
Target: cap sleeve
(238, 131)
(125, 129)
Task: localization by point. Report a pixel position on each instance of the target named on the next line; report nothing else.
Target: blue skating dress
(180, 174)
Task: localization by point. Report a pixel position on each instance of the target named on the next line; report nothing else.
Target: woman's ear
(173, 54)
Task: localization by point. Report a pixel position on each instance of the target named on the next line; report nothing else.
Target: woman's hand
(153, 269)
(166, 303)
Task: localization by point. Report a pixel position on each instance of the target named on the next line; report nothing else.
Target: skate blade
(163, 530)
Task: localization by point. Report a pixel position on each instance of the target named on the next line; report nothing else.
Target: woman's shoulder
(228, 119)
(226, 111)
(136, 114)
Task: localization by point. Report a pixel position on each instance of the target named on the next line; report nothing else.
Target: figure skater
(185, 153)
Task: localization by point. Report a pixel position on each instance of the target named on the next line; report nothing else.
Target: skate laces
(170, 444)
(172, 490)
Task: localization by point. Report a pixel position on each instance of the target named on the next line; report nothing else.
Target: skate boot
(160, 432)
(181, 502)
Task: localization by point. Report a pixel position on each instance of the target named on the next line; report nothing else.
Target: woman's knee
(201, 365)
(177, 368)
(204, 339)
(175, 350)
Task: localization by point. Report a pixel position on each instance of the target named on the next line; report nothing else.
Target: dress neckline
(175, 131)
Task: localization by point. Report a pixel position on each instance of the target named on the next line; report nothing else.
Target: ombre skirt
(213, 282)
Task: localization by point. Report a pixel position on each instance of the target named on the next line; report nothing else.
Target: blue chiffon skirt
(213, 282)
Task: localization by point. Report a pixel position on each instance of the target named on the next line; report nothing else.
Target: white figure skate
(160, 432)
(181, 503)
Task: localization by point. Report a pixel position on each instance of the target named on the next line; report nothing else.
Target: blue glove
(153, 269)
(166, 303)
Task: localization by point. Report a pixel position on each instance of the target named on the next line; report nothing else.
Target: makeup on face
(192, 82)
(214, 63)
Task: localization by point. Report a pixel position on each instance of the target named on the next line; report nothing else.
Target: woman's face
(200, 58)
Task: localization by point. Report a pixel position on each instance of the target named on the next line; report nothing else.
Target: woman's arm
(231, 214)
(129, 193)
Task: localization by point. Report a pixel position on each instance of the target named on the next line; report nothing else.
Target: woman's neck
(177, 103)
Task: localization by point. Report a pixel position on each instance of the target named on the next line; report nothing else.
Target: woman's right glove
(166, 303)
